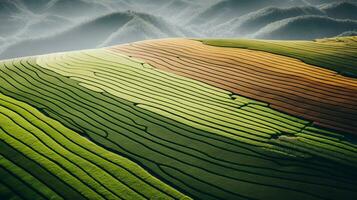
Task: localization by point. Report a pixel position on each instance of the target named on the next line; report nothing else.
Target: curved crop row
(286, 84)
(179, 99)
(96, 93)
(338, 54)
(41, 159)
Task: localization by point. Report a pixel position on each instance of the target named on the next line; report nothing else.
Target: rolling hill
(331, 59)
(182, 119)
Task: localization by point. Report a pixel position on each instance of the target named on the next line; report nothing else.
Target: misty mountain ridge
(228, 9)
(68, 8)
(341, 10)
(11, 18)
(325, 2)
(144, 26)
(254, 21)
(348, 33)
(110, 29)
(77, 24)
(306, 27)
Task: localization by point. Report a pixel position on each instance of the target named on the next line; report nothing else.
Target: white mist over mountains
(31, 27)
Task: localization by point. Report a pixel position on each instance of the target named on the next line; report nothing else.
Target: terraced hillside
(287, 84)
(176, 119)
(337, 54)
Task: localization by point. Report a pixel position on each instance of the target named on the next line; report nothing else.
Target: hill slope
(42, 159)
(177, 119)
(306, 51)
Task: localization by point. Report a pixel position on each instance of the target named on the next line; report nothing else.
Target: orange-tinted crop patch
(287, 84)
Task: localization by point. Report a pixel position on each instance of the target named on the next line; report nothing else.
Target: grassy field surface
(337, 54)
(99, 124)
(286, 84)
(42, 159)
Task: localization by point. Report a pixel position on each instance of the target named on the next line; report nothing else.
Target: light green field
(78, 168)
